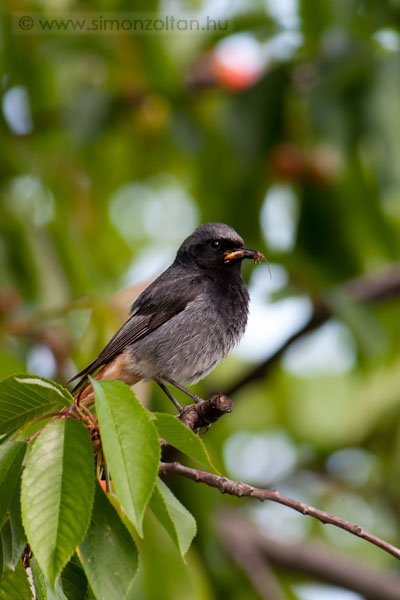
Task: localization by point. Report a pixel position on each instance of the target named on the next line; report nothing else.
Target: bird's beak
(240, 253)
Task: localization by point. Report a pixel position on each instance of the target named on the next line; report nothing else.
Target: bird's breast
(193, 342)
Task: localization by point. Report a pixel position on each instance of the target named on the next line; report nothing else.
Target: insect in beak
(240, 253)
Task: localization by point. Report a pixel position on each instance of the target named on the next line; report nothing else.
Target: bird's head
(215, 246)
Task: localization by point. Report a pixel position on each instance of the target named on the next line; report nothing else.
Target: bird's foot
(194, 397)
(170, 396)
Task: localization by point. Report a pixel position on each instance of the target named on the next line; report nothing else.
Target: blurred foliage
(287, 127)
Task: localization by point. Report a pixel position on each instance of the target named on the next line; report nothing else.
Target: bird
(185, 322)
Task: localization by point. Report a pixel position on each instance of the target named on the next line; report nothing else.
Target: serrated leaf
(14, 584)
(176, 519)
(43, 589)
(108, 553)
(38, 579)
(26, 397)
(131, 447)
(173, 431)
(11, 457)
(57, 493)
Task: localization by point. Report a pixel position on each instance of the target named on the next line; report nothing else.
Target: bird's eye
(215, 244)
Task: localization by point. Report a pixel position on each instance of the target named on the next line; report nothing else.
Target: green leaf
(14, 585)
(42, 587)
(6, 548)
(26, 397)
(12, 536)
(5, 437)
(17, 530)
(108, 553)
(176, 519)
(73, 581)
(162, 572)
(11, 457)
(38, 580)
(131, 447)
(57, 493)
(173, 431)
(10, 551)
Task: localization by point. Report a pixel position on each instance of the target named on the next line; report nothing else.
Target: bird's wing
(155, 306)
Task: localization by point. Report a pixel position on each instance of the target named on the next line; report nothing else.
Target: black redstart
(185, 322)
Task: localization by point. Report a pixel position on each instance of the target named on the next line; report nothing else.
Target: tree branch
(382, 286)
(236, 488)
(313, 558)
(204, 413)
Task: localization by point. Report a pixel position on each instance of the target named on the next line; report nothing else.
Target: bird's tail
(113, 370)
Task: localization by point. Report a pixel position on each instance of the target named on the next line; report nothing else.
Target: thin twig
(42, 417)
(239, 489)
(62, 414)
(84, 409)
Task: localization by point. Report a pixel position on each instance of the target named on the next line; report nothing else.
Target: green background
(283, 123)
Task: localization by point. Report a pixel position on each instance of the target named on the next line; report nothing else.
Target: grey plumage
(190, 317)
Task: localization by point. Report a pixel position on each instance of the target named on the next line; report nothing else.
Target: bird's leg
(183, 389)
(170, 396)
